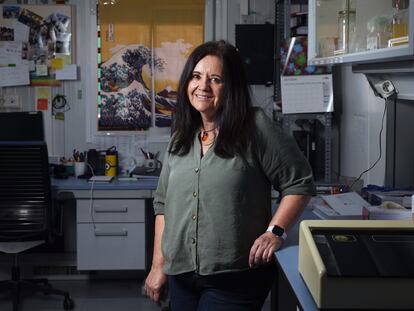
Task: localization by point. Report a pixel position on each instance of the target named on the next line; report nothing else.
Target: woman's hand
(263, 249)
(155, 284)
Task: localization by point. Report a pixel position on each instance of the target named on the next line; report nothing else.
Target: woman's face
(205, 86)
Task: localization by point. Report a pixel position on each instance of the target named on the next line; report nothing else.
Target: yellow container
(110, 165)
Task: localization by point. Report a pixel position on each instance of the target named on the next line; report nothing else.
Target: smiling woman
(204, 88)
(144, 44)
(214, 242)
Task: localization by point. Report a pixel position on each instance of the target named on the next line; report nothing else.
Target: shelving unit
(371, 18)
(287, 121)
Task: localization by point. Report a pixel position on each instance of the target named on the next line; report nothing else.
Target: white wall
(360, 127)
(361, 110)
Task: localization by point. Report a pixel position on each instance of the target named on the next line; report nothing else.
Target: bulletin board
(36, 41)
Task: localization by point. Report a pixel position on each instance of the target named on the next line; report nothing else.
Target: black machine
(96, 160)
(22, 125)
(366, 253)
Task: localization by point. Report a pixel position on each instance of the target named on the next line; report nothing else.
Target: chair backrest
(25, 192)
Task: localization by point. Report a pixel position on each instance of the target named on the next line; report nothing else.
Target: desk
(290, 290)
(287, 260)
(74, 184)
(114, 222)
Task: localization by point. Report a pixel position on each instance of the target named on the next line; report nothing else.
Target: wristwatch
(277, 231)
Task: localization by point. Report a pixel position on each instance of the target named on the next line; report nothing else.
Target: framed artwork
(142, 48)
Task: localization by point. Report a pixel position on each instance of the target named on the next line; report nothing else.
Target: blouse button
(193, 241)
(194, 217)
(196, 169)
(194, 194)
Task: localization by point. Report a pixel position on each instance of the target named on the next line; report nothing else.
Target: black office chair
(25, 211)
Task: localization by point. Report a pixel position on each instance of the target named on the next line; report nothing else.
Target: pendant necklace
(204, 134)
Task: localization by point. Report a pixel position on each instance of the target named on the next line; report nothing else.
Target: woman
(215, 236)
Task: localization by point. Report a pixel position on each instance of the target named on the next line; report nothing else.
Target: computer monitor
(23, 125)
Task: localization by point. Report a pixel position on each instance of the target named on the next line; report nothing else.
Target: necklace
(204, 134)
(210, 143)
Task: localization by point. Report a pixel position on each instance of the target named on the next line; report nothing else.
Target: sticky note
(42, 104)
(60, 116)
(66, 59)
(56, 63)
(43, 92)
(41, 70)
(69, 72)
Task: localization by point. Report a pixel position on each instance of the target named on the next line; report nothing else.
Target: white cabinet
(351, 31)
(110, 234)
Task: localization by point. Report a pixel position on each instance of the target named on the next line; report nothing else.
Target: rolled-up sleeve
(281, 159)
(161, 192)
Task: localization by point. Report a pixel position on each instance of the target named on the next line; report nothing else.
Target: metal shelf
(288, 121)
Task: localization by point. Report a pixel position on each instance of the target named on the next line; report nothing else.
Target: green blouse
(215, 208)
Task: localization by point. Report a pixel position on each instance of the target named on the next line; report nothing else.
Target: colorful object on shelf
(294, 57)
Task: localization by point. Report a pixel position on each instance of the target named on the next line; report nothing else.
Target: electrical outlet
(385, 88)
(11, 101)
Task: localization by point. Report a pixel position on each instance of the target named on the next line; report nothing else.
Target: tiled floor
(95, 295)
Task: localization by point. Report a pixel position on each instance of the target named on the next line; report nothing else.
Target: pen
(144, 153)
(79, 156)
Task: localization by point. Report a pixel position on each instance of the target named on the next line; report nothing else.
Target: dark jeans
(232, 291)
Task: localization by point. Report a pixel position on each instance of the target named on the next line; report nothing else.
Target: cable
(59, 104)
(380, 144)
(91, 197)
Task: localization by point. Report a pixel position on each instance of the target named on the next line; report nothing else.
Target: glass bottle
(379, 32)
(400, 18)
(346, 30)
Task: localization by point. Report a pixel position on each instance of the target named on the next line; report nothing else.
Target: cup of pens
(79, 163)
(79, 168)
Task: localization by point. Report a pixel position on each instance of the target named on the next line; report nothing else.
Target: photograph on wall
(30, 19)
(143, 50)
(6, 34)
(11, 11)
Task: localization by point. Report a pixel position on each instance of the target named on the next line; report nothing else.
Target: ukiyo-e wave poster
(143, 48)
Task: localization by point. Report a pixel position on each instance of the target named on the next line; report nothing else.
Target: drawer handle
(123, 232)
(111, 210)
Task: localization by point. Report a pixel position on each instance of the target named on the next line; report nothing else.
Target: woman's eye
(195, 77)
(215, 80)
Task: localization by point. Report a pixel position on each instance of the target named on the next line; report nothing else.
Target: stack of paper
(346, 204)
(324, 211)
(378, 212)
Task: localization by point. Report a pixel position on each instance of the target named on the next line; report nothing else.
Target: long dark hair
(234, 113)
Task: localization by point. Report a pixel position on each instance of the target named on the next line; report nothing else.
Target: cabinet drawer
(110, 210)
(111, 246)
